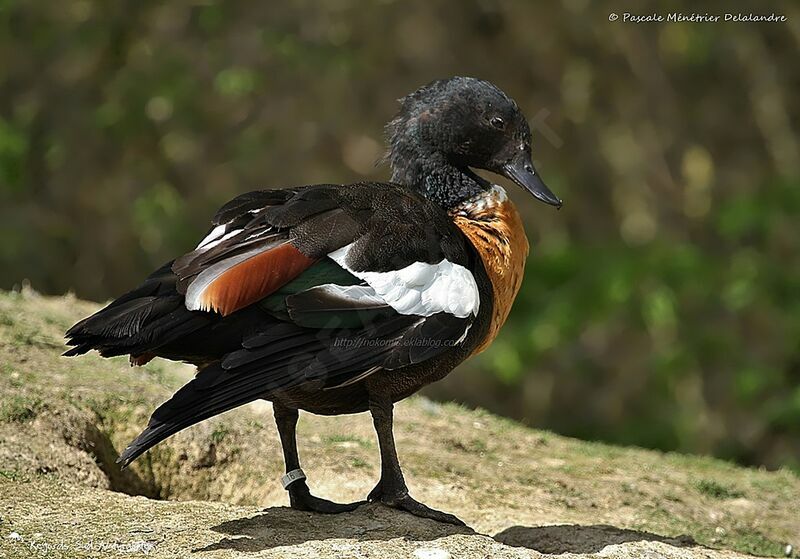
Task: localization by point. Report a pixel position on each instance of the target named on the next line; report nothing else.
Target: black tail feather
(195, 402)
(141, 321)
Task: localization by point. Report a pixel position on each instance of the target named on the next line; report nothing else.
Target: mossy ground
(62, 422)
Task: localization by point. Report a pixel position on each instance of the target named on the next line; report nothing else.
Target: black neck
(438, 179)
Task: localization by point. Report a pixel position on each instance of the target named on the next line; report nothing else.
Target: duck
(340, 299)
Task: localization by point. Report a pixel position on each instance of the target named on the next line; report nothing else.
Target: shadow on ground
(574, 538)
(282, 526)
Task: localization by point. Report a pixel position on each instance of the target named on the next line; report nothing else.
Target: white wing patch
(421, 289)
(215, 234)
(216, 237)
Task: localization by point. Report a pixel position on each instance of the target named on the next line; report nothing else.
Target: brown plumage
(494, 227)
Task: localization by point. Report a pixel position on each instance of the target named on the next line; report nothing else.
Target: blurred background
(661, 305)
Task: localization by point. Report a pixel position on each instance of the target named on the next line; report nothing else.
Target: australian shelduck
(339, 299)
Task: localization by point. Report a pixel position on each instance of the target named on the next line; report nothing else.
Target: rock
(432, 553)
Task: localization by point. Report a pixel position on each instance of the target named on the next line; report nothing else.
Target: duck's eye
(497, 122)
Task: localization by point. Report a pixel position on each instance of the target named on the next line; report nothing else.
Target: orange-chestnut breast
(493, 225)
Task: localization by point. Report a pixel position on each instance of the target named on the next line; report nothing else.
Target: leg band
(291, 477)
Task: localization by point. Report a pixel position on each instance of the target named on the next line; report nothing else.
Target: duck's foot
(300, 498)
(403, 501)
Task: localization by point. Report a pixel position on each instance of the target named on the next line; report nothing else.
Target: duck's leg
(294, 481)
(391, 489)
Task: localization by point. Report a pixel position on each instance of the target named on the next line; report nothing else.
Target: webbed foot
(403, 501)
(300, 498)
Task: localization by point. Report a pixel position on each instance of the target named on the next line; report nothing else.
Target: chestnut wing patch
(235, 283)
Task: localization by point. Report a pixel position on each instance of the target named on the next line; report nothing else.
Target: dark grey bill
(521, 171)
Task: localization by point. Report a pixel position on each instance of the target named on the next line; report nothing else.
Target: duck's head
(450, 126)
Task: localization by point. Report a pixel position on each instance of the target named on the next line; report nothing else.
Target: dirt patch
(68, 443)
(62, 422)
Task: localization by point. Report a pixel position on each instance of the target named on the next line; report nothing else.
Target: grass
(711, 488)
(12, 475)
(337, 439)
(20, 408)
(219, 433)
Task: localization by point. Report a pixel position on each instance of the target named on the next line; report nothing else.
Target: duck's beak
(521, 171)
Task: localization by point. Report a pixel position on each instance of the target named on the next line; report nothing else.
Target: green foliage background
(661, 306)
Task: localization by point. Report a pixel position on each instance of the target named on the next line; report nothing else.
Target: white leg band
(291, 477)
